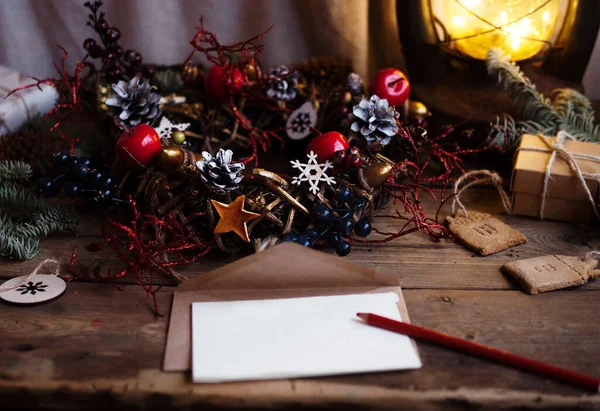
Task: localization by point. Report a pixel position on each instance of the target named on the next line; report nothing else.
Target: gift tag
(551, 272)
(483, 233)
(39, 288)
(299, 123)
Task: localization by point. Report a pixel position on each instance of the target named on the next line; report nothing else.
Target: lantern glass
(521, 28)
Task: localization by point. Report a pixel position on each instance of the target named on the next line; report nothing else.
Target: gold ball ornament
(418, 110)
(376, 174)
(178, 137)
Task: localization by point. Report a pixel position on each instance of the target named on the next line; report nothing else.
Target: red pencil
(527, 364)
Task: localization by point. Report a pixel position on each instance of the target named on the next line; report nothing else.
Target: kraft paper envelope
(285, 271)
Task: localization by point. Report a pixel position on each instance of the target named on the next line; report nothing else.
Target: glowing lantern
(519, 27)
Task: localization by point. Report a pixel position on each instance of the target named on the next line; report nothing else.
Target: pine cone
(355, 84)
(134, 102)
(219, 173)
(281, 84)
(375, 120)
(402, 147)
(324, 72)
(35, 149)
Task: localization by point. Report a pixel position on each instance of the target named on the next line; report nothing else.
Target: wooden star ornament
(233, 217)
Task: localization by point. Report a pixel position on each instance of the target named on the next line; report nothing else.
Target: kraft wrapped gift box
(23, 105)
(566, 199)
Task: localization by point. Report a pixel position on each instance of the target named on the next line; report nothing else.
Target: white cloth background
(161, 29)
(363, 30)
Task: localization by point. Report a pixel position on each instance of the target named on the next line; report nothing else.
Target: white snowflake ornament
(166, 128)
(312, 172)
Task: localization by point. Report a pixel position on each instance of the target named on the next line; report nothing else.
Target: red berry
(390, 84)
(343, 110)
(215, 82)
(89, 43)
(339, 157)
(325, 145)
(149, 71)
(353, 161)
(113, 35)
(101, 26)
(95, 51)
(137, 147)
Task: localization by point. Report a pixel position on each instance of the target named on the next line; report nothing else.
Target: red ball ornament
(325, 145)
(215, 82)
(353, 161)
(390, 84)
(138, 146)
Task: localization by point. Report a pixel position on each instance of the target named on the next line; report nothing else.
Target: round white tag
(40, 288)
(300, 121)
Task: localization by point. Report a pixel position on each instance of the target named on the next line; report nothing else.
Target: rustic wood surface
(99, 347)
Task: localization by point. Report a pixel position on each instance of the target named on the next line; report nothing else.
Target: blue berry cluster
(75, 176)
(333, 225)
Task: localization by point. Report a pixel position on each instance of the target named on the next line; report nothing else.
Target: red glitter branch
(149, 245)
(206, 42)
(69, 88)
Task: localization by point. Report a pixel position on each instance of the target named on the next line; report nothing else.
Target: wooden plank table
(99, 347)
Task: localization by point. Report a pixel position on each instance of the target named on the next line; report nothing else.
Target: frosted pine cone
(134, 102)
(375, 120)
(281, 84)
(218, 172)
(355, 84)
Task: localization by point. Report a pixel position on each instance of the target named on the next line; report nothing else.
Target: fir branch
(532, 104)
(15, 171)
(570, 110)
(582, 128)
(24, 218)
(567, 100)
(14, 246)
(18, 200)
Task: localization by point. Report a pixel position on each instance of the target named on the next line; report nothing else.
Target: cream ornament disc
(39, 288)
(301, 121)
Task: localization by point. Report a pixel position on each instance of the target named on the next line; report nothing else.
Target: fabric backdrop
(161, 29)
(362, 30)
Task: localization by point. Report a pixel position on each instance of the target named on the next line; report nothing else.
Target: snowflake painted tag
(312, 172)
(300, 121)
(166, 128)
(40, 288)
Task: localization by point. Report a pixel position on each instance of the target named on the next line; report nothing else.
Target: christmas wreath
(174, 155)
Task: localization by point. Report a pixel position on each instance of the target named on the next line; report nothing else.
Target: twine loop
(25, 280)
(481, 177)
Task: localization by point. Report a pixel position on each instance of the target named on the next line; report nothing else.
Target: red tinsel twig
(248, 51)
(69, 88)
(140, 245)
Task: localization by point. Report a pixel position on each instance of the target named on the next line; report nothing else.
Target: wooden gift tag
(551, 272)
(484, 233)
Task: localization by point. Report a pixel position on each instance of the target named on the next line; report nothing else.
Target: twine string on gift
(590, 255)
(4, 287)
(481, 177)
(558, 150)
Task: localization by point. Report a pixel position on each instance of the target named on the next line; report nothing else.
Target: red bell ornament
(390, 84)
(138, 146)
(325, 145)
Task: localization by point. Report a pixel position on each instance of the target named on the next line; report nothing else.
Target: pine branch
(567, 100)
(14, 246)
(532, 104)
(570, 110)
(15, 171)
(24, 218)
(18, 200)
(582, 128)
